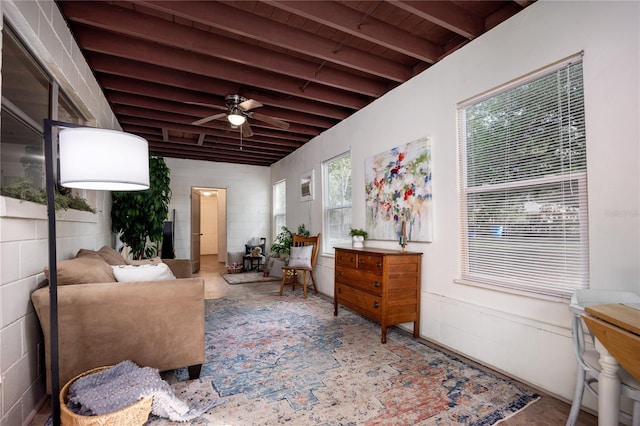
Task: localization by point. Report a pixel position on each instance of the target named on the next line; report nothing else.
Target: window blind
(523, 195)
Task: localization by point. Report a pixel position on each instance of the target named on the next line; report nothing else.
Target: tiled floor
(548, 411)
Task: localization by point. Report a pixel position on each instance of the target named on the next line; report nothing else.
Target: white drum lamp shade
(103, 159)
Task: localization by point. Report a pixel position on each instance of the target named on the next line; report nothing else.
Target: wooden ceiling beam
(445, 14)
(220, 138)
(236, 21)
(198, 89)
(168, 57)
(160, 102)
(222, 132)
(158, 30)
(357, 24)
(171, 116)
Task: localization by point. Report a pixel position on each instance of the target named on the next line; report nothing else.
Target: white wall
(248, 200)
(23, 226)
(526, 337)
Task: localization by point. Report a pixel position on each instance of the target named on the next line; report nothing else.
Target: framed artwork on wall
(306, 186)
(398, 188)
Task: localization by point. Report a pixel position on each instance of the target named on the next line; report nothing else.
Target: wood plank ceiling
(165, 65)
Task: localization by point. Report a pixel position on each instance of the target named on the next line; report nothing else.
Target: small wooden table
(617, 328)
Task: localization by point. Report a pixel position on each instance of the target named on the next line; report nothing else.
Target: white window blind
(523, 184)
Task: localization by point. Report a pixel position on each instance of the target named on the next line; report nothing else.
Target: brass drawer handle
(376, 284)
(379, 264)
(339, 273)
(362, 261)
(352, 259)
(376, 305)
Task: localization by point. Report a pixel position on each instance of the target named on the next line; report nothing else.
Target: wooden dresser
(382, 285)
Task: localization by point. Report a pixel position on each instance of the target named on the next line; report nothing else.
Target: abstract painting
(398, 188)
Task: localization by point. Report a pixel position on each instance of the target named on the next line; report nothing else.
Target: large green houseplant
(283, 241)
(139, 216)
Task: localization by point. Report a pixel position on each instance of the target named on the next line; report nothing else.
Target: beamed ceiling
(165, 65)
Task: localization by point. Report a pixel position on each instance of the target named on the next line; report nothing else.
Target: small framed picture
(306, 186)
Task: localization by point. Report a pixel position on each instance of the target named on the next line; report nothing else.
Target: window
(524, 188)
(279, 206)
(337, 202)
(29, 96)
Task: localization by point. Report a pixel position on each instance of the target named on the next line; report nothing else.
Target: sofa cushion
(91, 254)
(111, 256)
(301, 257)
(149, 272)
(83, 270)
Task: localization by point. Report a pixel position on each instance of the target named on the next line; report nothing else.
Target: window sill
(20, 209)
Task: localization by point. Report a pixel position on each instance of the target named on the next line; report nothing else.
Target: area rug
(276, 360)
(248, 277)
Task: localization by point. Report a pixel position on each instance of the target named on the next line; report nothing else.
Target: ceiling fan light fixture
(236, 118)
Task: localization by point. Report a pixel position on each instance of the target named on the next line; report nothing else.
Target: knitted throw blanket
(125, 383)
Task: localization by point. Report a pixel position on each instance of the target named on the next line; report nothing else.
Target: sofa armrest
(159, 324)
(181, 268)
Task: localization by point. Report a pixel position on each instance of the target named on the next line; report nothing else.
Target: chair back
(299, 241)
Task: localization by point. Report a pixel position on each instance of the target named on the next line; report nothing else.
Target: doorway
(208, 225)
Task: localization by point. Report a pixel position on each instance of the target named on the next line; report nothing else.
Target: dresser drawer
(346, 259)
(367, 281)
(360, 301)
(372, 263)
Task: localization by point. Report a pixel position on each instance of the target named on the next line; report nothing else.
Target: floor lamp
(89, 158)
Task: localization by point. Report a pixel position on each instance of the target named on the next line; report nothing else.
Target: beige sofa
(158, 323)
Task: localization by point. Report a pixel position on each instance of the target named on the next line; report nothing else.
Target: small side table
(253, 262)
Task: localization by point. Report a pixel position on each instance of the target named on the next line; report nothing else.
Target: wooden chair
(304, 262)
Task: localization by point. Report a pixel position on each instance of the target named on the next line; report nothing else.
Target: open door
(195, 230)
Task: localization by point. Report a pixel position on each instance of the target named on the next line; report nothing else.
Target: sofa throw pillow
(111, 256)
(83, 270)
(92, 254)
(301, 257)
(275, 270)
(149, 272)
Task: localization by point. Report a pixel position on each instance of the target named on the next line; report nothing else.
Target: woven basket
(235, 270)
(135, 414)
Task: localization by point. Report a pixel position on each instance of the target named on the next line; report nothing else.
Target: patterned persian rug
(279, 360)
(248, 277)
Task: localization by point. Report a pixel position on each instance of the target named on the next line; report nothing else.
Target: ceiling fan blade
(246, 130)
(270, 120)
(210, 118)
(249, 104)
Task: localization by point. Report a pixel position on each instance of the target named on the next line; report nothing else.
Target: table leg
(608, 388)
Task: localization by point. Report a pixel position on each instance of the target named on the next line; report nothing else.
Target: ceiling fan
(238, 111)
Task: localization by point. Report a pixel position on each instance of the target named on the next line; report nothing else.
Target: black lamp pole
(50, 153)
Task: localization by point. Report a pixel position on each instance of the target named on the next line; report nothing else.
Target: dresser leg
(383, 338)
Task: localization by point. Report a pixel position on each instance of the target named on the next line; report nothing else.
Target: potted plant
(357, 237)
(139, 216)
(283, 241)
(22, 188)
